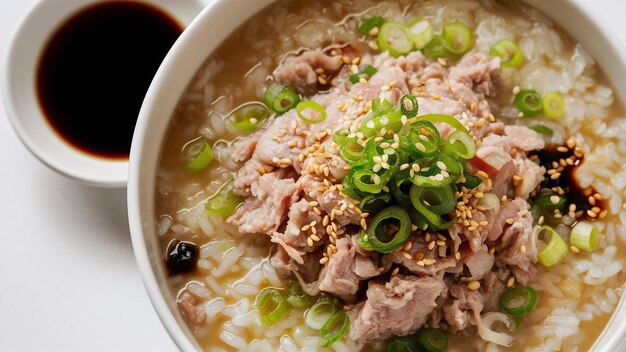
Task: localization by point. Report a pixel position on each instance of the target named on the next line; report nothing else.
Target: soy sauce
(95, 70)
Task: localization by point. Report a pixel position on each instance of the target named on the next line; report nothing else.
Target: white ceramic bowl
(200, 39)
(20, 96)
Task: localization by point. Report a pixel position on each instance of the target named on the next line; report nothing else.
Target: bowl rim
(575, 8)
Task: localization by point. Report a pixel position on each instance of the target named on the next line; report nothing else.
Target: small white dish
(22, 104)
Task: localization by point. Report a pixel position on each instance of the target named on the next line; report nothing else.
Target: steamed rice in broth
(372, 175)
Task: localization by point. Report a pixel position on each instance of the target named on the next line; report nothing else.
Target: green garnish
(529, 102)
(519, 301)
(198, 155)
(281, 98)
(510, 54)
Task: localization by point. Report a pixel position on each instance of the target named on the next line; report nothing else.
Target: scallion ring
(432, 203)
(371, 23)
(420, 32)
(553, 105)
(529, 102)
(584, 236)
(519, 301)
(457, 38)
(335, 327)
(198, 155)
(319, 313)
(422, 139)
(435, 49)
(394, 38)
(366, 72)
(461, 144)
(435, 118)
(541, 129)
(249, 117)
(281, 98)
(554, 250)
(409, 105)
(510, 54)
(272, 306)
(432, 340)
(297, 297)
(224, 202)
(403, 344)
(389, 229)
(316, 108)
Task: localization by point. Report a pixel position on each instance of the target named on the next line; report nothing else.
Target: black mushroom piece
(181, 257)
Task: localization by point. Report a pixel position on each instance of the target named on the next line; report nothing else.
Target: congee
(395, 176)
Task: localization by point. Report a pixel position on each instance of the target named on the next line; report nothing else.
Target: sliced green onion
(432, 340)
(519, 301)
(394, 38)
(281, 98)
(462, 144)
(335, 327)
(404, 344)
(364, 242)
(555, 250)
(529, 102)
(549, 201)
(372, 203)
(450, 120)
(584, 236)
(350, 150)
(297, 297)
(365, 179)
(432, 203)
(224, 202)
(372, 125)
(435, 49)
(389, 229)
(420, 32)
(457, 38)
(311, 105)
(381, 106)
(472, 181)
(365, 72)
(249, 117)
(371, 23)
(198, 155)
(409, 105)
(319, 313)
(272, 306)
(541, 129)
(509, 52)
(422, 139)
(400, 188)
(553, 105)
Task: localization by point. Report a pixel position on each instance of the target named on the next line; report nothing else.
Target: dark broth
(95, 70)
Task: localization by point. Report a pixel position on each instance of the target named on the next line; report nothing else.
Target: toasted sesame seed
(315, 237)
(431, 245)
(395, 271)
(457, 255)
(591, 214)
(509, 221)
(482, 174)
(363, 224)
(555, 176)
(522, 249)
(562, 149)
(317, 211)
(406, 255)
(574, 249)
(324, 260)
(473, 285)
(418, 255)
(603, 214)
(554, 199)
(510, 282)
(305, 228)
(309, 242)
(440, 243)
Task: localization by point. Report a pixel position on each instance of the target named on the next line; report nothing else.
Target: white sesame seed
(441, 165)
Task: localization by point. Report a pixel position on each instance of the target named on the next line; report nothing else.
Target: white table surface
(68, 277)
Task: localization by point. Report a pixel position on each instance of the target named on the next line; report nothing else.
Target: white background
(68, 277)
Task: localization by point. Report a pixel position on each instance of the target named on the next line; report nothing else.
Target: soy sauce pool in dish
(95, 70)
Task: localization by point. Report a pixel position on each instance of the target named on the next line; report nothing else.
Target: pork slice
(299, 70)
(418, 244)
(397, 308)
(509, 210)
(190, 309)
(331, 201)
(497, 163)
(249, 174)
(328, 164)
(266, 209)
(306, 273)
(461, 303)
(479, 263)
(340, 276)
(242, 148)
(293, 240)
(517, 248)
(478, 71)
(532, 175)
(523, 138)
